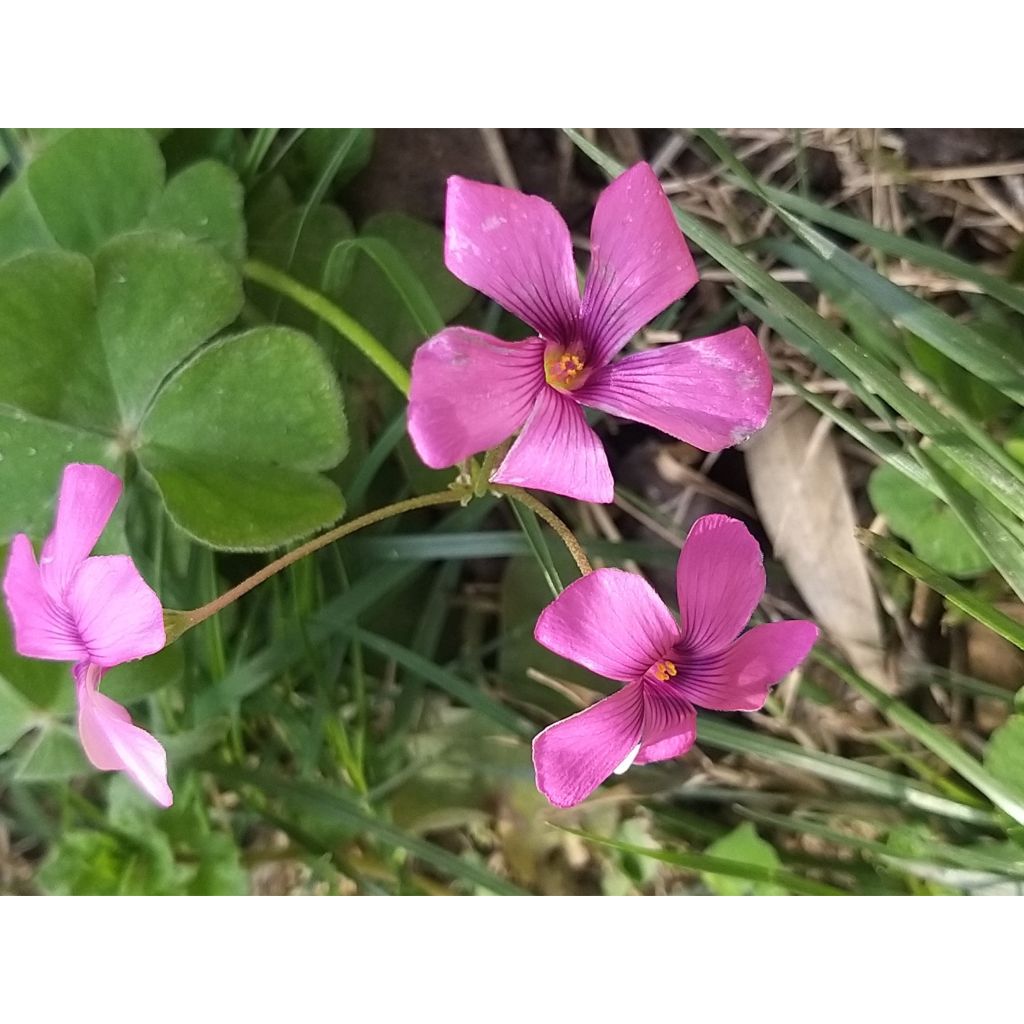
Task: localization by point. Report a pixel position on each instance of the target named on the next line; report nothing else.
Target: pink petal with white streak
(641, 723)
(670, 724)
(573, 757)
(639, 266)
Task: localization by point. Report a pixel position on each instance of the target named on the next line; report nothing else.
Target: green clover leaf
(107, 361)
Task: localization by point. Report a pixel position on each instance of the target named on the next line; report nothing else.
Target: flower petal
(43, 628)
(573, 757)
(117, 615)
(711, 392)
(112, 743)
(516, 249)
(640, 263)
(670, 724)
(558, 451)
(609, 621)
(738, 678)
(470, 392)
(719, 580)
(87, 498)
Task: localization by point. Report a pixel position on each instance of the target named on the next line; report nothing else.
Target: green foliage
(97, 368)
(399, 257)
(244, 473)
(367, 714)
(1004, 755)
(745, 846)
(929, 524)
(143, 852)
(119, 187)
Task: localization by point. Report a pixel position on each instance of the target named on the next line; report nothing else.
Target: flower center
(663, 671)
(562, 369)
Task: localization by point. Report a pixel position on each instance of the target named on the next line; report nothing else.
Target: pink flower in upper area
(96, 611)
(471, 391)
(614, 624)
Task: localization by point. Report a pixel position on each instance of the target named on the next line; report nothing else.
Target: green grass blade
(444, 679)
(839, 771)
(865, 368)
(335, 806)
(929, 736)
(896, 245)
(963, 597)
(252, 674)
(717, 865)
(999, 542)
(880, 444)
(408, 287)
(971, 350)
(538, 546)
(374, 459)
(942, 852)
(496, 544)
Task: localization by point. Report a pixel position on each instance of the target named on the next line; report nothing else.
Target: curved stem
(327, 311)
(192, 618)
(567, 537)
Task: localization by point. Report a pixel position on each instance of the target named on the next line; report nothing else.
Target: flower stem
(567, 537)
(186, 620)
(327, 311)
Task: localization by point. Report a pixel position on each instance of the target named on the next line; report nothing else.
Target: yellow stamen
(563, 371)
(665, 670)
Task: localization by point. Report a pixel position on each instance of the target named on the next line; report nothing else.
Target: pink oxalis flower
(614, 624)
(471, 391)
(95, 611)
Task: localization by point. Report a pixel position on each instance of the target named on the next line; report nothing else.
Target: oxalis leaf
(929, 524)
(99, 363)
(84, 187)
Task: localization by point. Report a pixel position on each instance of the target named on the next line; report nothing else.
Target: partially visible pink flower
(471, 391)
(614, 624)
(96, 611)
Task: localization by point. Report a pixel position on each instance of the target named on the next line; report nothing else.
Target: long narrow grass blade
(949, 855)
(250, 675)
(896, 245)
(971, 350)
(963, 597)
(538, 546)
(839, 771)
(337, 807)
(496, 544)
(717, 866)
(443, 678)
(927, 734)
(1001, 544)
(863, 365)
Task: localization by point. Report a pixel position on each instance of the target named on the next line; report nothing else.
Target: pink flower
(614, 624)
(471, 391)
(95, 611)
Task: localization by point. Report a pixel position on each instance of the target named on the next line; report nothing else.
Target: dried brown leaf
(803, 500)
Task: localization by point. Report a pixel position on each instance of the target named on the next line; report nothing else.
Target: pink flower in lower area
(471, 391)
(95, 611)
(614, 624)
